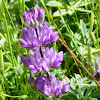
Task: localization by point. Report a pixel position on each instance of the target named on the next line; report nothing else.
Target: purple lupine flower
(52, 86)
(43, 36)
(38, 63)
(34, 16)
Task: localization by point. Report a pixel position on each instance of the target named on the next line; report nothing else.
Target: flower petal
(57, 92)
(65, 88)
(31, 53)
(56, 63)
(26, 61)
(53, 36)
(33, 69)
(60, 55)
(24, 43)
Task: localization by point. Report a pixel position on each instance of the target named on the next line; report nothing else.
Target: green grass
(76, 22)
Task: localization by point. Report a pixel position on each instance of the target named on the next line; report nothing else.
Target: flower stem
(41, 52)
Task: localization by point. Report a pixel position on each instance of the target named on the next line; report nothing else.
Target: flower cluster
(37, 36)
(38, 62)
(50, 87)
(34, 16)
(95, 67)
(34, 38)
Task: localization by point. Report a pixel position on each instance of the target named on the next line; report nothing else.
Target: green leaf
(23, 96)
(95, 94)
(83, 28)
(88, 2)
(63, 12)
(1, 96)
(85, 32)
(83, 10)
(79, 78)
(77, 36)
(81, 88)
(1, 63)
(54, 4)
(69, 96)
(97, 12)
(2, 40)
(90, 89)
(89, 55)
(18, 69)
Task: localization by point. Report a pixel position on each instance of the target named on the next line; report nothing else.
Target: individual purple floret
(37, 62)
(43, 36)
(27, 62)
(46, 34)
(29, 38)
(52, 86)
(34, 16)
(52, 59)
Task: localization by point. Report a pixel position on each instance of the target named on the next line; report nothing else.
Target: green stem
(97, 34)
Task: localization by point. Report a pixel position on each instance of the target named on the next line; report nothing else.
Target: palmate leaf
(81, 91)
(79, 3)
(69, 9)
(69, 12)
(63, 12)
(54, 4)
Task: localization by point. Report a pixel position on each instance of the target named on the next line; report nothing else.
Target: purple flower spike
(37, 36)
(52, 86)
(34, 16)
